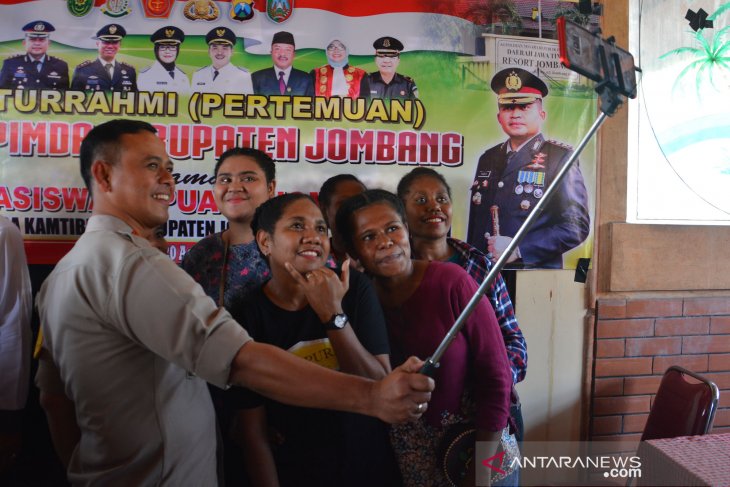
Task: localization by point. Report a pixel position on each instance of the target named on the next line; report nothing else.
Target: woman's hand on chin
(323, 288)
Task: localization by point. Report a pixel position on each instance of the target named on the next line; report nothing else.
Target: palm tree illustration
(709, 57)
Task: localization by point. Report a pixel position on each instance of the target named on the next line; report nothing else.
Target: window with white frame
(679, 131)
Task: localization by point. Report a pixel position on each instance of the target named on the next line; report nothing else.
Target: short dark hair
(404, 185)
(330, 186)
(103, 142)
(265, 163)
(370, 197)
(269, 212)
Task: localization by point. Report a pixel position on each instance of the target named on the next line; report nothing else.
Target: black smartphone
(598, 59)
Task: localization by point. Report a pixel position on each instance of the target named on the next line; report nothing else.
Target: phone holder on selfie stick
(616, 79)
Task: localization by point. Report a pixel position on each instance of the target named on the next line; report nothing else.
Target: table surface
(686, 460)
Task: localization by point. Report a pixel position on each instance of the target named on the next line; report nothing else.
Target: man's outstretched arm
(286, 378)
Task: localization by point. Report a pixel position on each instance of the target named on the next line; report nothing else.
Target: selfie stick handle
(432, 363)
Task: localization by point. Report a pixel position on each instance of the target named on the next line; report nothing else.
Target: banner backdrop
(444, 116)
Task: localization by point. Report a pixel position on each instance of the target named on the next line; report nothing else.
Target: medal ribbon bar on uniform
(533, 177)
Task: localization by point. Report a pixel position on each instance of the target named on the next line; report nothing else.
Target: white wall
(551, 312)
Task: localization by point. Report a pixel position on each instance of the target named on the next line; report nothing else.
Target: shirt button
(500, 184)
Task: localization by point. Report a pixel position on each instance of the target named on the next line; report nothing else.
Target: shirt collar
(287, 71)
(509, 146)
(107, 222)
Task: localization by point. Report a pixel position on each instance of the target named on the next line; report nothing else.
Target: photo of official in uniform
(35, 70)
(282, 78)
(222, 76)
(386, 82)
(164, 75)
(511, 177)
(106, 73)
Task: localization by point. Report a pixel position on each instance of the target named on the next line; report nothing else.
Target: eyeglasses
(168, 48)
(336, 47)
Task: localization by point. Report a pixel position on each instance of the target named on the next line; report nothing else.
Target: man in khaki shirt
(132, 338)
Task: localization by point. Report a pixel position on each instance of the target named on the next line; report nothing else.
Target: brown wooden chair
(684, 405)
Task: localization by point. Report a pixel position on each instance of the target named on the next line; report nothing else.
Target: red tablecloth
(686, 461)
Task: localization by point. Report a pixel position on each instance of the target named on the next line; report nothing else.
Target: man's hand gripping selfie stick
(615, 95)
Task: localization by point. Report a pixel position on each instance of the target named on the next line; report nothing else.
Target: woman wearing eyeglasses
(337, 77)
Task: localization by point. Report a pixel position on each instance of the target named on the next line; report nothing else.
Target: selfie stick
(611, 99)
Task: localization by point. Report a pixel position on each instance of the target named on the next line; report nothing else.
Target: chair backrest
(682, 407)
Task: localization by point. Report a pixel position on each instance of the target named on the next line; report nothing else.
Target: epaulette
(125, 64)
(408, 78)
(15, 56)
(559, 144)
(242, 69)
(85, 63)
(145, 70)
(201, 69)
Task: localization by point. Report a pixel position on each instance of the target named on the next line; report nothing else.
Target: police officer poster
(367, 88)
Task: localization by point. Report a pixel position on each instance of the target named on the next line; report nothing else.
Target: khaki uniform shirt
(134, 338)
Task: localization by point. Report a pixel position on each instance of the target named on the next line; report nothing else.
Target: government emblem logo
(79, 8)
(513, 82)
(116, 8)
(242, 10)
(157, 9)
(279, 10)
(201, 10)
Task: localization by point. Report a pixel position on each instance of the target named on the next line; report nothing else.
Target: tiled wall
(637, 339)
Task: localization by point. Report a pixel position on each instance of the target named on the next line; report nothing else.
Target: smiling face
(240, 187)
(167, 53)
(138, 186)
(521, 122)
(428, 208)
(387, 65)
(220, 54)
(336, 51)
(36, 47)
(380, 241)
(108, 49)
(282, 55)
(300, 238)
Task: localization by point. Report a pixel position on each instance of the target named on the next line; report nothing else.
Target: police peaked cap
(221, 35)
(38, 28)
(168, 35)
(111, 32)
(283, 38)
(388, 45)
(516, 86)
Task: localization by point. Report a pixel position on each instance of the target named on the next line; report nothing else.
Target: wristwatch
(337, 322)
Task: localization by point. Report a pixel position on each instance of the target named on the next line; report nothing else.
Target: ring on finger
(307, 275)
(421, 407)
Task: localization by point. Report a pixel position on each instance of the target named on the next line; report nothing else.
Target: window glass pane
(679, 135)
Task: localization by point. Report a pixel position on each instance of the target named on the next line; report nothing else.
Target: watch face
(340, 321)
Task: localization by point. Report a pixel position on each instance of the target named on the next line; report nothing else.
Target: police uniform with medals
(229, 78)
(400, 87)
(514, 182)
(94, 76)
(158, 77)
(23, 72)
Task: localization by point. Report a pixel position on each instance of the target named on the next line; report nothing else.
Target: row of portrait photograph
(38, 70)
